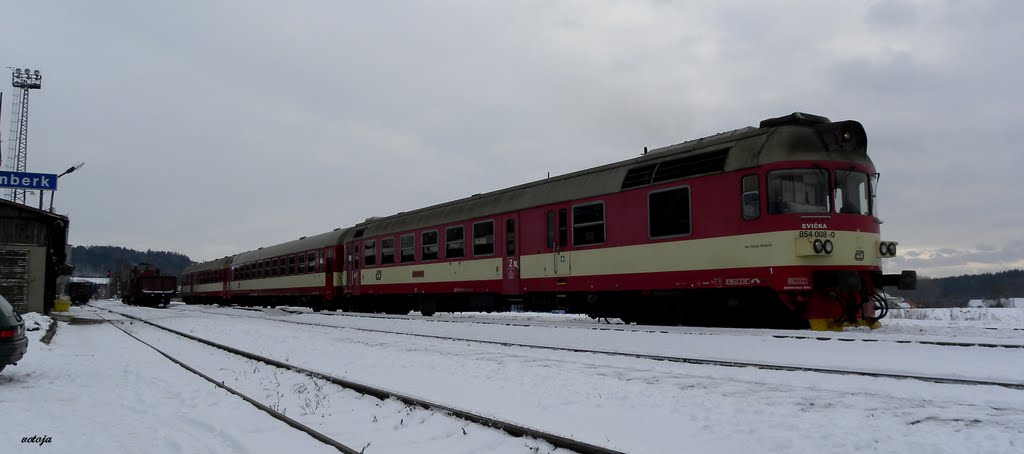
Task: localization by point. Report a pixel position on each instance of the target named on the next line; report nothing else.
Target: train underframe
(148, 299)
(836, 300)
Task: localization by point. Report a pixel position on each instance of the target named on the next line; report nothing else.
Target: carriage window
(428, 245)
(750, 197)
(551, 229)
(668, 212)
(387, 251)
(483, 238)
(369, 252)
(302, 263)
(588, 224)
(291, 264)
(563, 229)
(852, 192)
(408, 253)
(510, 237)
(311, 262)
(798, 191)
(454, 242)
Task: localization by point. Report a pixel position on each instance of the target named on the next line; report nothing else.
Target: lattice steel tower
(22, 80)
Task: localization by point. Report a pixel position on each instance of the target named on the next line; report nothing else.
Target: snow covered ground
(94, 389)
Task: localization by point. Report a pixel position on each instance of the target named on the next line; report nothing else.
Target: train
(767, 226)
(81, 292)
(145, 286)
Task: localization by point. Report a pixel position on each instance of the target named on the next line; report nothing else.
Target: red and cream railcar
(769, 225)
(776, 222)
(298, 272)
(206, 282)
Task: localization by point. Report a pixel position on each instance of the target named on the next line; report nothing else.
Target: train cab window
(588, 224)
(852, 193)
(668, 212)
(408, 248)
(454, 242)
(387, 251)
(750, 197)
(428, 245)
(369, 252)
(483, 238)
(798, 191)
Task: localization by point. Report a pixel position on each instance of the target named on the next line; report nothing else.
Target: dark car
(13, 343)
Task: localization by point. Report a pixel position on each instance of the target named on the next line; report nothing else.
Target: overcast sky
(214, 127)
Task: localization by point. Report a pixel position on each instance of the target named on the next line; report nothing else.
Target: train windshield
(798, 191)
(853, 194)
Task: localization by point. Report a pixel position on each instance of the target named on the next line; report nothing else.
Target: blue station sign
(25, 180)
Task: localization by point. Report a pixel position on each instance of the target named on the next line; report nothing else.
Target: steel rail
(508, 427)
(681, 359)
(662, 331)
(273, 413)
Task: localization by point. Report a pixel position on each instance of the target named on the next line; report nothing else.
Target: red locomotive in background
(145, 286)
(773, 225)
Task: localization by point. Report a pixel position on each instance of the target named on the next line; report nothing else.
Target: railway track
(637, 328)
(273, 413)
(382, 394)
(706, 361)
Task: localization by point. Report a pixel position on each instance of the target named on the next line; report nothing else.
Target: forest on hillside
(956, 291)
(96, 261)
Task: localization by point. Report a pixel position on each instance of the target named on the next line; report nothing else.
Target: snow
(96, 390)
(94, 280)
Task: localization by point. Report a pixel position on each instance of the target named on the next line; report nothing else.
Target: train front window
(798, 191)
(853, 194)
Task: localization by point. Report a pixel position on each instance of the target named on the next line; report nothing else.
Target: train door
(557, 241)
(226, 283)
(352, 267)
(510, 265)
(327, 267)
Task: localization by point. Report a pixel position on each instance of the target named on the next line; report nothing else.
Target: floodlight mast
(22, 80)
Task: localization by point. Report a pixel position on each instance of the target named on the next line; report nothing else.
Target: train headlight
(828, 246)
(818, 246)
(892, 249)
(883, 249)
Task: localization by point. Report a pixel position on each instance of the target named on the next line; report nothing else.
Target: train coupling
(906, 280)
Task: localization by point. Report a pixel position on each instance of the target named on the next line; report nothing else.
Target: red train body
(767, 226)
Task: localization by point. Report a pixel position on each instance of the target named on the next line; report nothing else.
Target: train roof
(791, 137)
(215, 264)
(305, 243)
